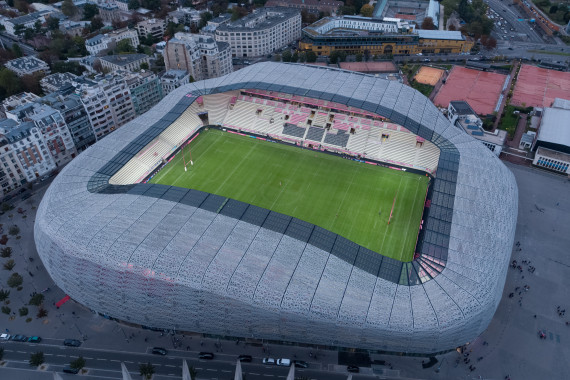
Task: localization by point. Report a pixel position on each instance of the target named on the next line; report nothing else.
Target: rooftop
(462, 107)
(123, 59)
(561, 103)
(260, 19)
(554, 127)
(440, 34)
(553, 154)
(22, 20)
(173, 74)
(59, 79)
(29, 63)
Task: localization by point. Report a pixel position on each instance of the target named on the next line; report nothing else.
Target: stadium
(289, 203)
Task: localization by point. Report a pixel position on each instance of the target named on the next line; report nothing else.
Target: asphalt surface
(8, 41)
(512, 15)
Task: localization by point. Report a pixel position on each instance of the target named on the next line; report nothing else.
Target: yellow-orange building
(356, 34)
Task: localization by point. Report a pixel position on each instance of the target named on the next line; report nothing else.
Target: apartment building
(145, 88)
(201, 56)
(52, 127)
(155, 27)
(108, 103)
(315, 6)
(262, 32)
(172, 79)
(57, 81)
(24, 155)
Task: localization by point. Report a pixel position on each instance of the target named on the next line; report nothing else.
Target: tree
(15, 280)
(367, 10)
(36, 299)
(146, 370)
(14, 230)
(67, 67)
(17, 50)
(125, 46)
(193, 372)
(488, 42)
(347, 10)
(10, 264)
(311, 56)
(37, 359)
(52, 23)
(295, 57)
(172, 29)
(6, 310)
(4, 294)
(19, 29)
(29, 33)
(302, 57)
(23, 311)
(78, 363)
(38, 26)
(333, 57)
(286, 56)
(358, 57)
(1, 353)
(277, 57)
(134, 4)
(428, 23)
(238, 12)
(96, 23)
(68, 8)
(90, 11)
(42, 312)
(6, 252)
(204, 18)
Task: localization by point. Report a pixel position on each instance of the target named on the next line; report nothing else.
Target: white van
(284, 362)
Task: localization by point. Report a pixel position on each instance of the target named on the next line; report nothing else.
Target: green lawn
(339, 195)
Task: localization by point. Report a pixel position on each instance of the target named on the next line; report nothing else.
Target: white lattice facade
(174, 258)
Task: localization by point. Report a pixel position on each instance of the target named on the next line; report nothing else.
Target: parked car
(268, 361)
(72, 343)
(245, 358)
(284, 362)
(26, 196)
(19, 338)
(300, 364)
(35, 339)
(68, 369)
(159, 351)
(5, 337)
(353, 368)
(205, 355)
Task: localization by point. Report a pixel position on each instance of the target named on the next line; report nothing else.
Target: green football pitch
(346, 197)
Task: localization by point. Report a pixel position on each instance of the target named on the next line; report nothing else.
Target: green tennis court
(349, 198)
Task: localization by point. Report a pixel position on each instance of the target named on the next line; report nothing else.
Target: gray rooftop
(555, 126)
(123, 59)
(29, 63)
(22, 20)
(192, 260)
(242, 24)
(440, 34)
(59, 80)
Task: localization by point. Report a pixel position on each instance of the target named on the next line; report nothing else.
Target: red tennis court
(480, 89)
(538, 87)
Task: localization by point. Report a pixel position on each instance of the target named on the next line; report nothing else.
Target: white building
(155, 27)
(145, 88)
(173, 79)
(53, 128)
(27, 65)
(201, 56)
(96, 44)
(262, 32)
(108, 103)
(55, 82)
(552, 144)
(26, 21)
(463, 116)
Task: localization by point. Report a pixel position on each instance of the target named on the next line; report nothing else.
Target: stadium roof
(194, 258)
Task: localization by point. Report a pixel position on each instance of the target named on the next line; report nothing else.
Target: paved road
(511, 15)
(8, 41)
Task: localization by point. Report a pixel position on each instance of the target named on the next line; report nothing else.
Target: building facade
(57, 81)
(155, 27)
(388, 36)
(145, 88)
(172, 79)
(201, 56)
(262, 32)
(108, 103)
(552, 144)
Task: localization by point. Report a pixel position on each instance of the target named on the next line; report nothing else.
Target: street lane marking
(168, 365)
(114, 360)
(99, 358)
(211, 369)
(62, 356)
(21, 352)
(223, 370)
